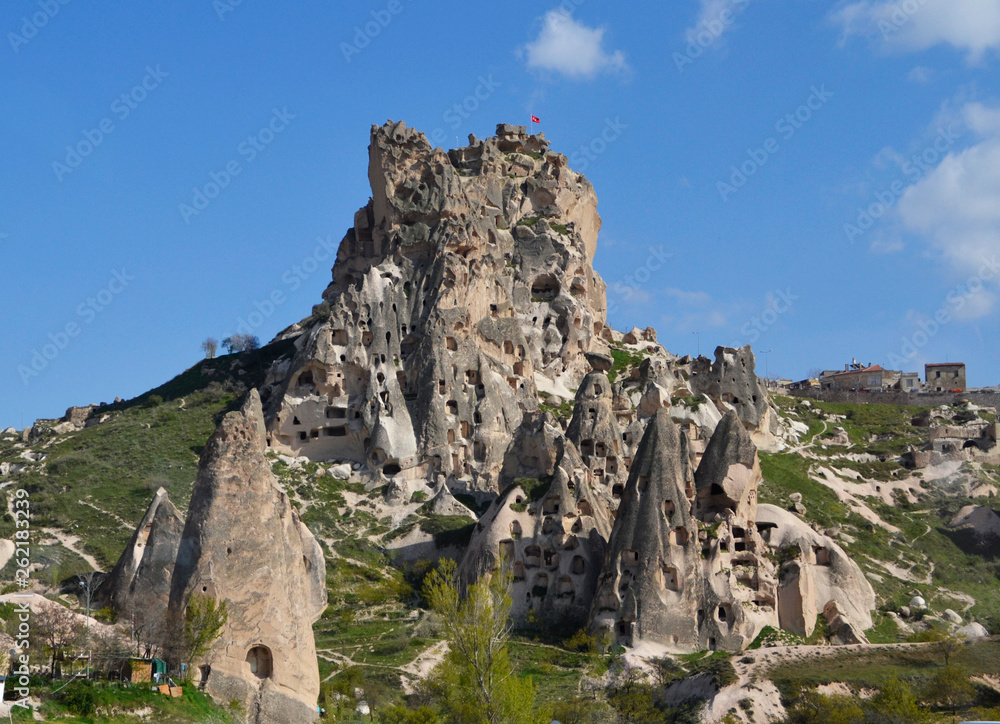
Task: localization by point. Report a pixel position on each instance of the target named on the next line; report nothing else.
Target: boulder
(973, 631)
(952, 617)
(984, 521)
(341, 472)
(843, 630)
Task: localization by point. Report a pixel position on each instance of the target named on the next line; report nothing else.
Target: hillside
(375, 629)
(671, 539)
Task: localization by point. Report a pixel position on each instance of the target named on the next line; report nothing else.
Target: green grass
(556, 672)
(118, 465)
(115, 705)
(871, 668)
(623, 360)
(787, 474)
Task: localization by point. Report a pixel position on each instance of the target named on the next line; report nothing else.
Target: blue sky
(819, 179)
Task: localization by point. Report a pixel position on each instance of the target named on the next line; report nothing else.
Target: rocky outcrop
(464, 288)
(731, 382)
(686, 567)
(244, 545)
(816, 573)
(984, 522)
(140, 580)
(552, 535)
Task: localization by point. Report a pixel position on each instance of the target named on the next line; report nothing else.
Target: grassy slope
(925, 542)
(118, 465)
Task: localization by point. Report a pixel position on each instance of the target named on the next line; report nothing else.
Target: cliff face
(464, 289)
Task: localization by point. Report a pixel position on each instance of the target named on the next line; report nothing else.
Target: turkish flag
(536, 119)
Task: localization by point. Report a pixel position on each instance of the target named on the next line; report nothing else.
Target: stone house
(858, 377)
(946, 377)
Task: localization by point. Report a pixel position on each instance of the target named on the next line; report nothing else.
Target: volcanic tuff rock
(245, 545)
(464, 288)
(817, 573)
(140, 580)
(685, 566)
(464, 310)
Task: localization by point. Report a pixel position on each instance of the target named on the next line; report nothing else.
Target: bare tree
(209, 346)
(55, 628)
(149, 628)
(111, 651)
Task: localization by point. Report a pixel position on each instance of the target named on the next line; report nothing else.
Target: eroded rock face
(686, 567)
(646, 590)
(141, 577)
(245, 545)
(817, 573)
(465, 286)
(731, 383)
(553, 536)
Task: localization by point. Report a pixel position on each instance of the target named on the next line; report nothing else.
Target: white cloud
(969, 25)
(956, 206)
(714, 19)
(571, 48)
(695, 299)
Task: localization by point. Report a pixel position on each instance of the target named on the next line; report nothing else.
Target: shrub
(106, 615)
(79, 697)
(582, 641)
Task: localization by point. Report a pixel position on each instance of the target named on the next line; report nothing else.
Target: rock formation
(983, 521)
(464, 289)
(244, 544)
(815, 574)
(140, 580)
(686, 567)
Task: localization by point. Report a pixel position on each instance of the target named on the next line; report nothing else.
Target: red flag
(536, 119)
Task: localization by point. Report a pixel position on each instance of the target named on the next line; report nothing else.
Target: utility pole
(698, 335)
(767, 366)
(85, 583)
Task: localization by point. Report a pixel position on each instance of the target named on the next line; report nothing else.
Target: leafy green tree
(204, 620)
(815, 708)
(895, 704)
(950, 688)
(399, 714)
(477, 680)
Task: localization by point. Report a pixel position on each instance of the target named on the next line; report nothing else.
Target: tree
(149, 628)
(399, 714)
(950, 688)
(209, 346)
(241, 343)
(56, 629)
(895, 704)
(204, 620)
(815, 708)
(111, 651)
(477, 680)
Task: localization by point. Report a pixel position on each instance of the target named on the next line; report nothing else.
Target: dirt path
(69, 542)
(412, 672)
(121, 521)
